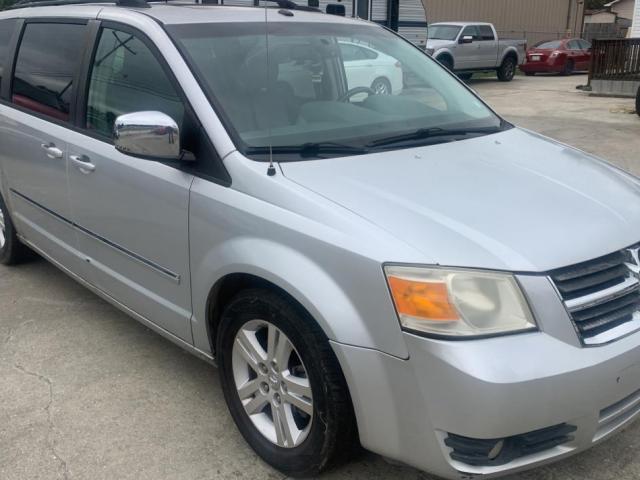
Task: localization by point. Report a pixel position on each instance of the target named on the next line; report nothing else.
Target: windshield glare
(443, 32)
(325, 85)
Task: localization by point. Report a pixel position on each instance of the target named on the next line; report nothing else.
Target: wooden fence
(615, 60)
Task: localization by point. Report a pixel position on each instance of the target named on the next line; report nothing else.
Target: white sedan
(366, 67)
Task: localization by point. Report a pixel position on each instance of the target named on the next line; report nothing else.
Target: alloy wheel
(272, 383)
(3, 238)
(380, 87)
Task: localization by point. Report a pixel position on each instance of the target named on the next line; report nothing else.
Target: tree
(595, 4)
(6, 3)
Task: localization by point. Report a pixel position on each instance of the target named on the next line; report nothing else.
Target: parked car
(410, 272)
(466, 48)
(365, 66)
(558, 56)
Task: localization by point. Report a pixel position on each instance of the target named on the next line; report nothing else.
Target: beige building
(623, 8)
(535, 20)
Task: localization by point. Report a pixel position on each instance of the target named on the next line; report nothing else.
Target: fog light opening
(496, 450)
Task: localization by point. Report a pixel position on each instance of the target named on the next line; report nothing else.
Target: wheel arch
(445, 54)
(510, 52)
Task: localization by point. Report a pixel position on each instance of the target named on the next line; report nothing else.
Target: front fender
(342, 288)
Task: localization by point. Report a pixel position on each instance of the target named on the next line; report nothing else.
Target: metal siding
(411, 10)
(416, 35)
(535, 20)
(635, 30)
(379, 9)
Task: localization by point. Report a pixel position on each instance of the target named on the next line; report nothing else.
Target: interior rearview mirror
(152, 135)
(466, 39)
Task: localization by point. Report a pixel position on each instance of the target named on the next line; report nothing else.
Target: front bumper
(489, 389)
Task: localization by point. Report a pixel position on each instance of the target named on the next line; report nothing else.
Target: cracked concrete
(88, 393)
(47, 408)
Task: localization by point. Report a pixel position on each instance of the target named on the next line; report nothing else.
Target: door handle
(82, 163)
(51, 150)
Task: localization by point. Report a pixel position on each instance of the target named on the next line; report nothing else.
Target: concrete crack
(47, 409)
(12, 331)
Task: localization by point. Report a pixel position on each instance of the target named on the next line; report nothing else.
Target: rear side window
(6, 30)
(46, 66)
(486, 32)
(126, 77)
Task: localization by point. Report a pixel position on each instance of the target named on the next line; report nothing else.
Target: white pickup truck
(468, 47)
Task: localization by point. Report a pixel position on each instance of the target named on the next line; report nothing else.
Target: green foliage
(6, 3)
(595, 4)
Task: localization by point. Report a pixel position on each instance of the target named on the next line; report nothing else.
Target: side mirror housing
(466, 39)
(152, 135)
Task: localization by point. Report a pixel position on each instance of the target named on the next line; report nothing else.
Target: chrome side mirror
(152, 135)
(466, 39)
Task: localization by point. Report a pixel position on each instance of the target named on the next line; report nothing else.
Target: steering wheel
(354, 91)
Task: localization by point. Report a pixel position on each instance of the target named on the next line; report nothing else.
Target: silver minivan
(399, 268)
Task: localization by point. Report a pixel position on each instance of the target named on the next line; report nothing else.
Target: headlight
(458, 302)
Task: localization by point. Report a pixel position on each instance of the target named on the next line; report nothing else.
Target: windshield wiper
(310, 150)
(433, 132)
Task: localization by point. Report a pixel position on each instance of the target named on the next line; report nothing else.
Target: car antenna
(271, 171)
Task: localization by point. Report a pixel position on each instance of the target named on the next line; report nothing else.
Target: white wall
(635, 30)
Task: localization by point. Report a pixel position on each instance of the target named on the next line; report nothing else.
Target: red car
(559, 56)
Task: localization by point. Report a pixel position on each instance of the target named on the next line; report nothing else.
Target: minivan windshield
(443, 32)
(315, 90)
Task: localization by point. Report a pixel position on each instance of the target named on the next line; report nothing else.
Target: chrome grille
(602, 295)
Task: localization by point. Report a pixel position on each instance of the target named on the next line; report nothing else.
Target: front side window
(47, 63)
(304, 93)
(6, 30)
(126, 77)
(471, 31)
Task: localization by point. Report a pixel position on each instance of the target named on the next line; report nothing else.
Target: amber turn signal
(425, 300)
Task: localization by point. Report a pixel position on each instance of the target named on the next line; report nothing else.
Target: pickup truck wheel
(12, 251)
(507, 70)
(283, 384)
(446, 62)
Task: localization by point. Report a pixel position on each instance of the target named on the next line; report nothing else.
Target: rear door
(132, 213)
(467, 54)
(488, 51)
(36, 115)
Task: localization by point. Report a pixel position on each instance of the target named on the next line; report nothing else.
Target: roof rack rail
(50, 3)
(288, 4)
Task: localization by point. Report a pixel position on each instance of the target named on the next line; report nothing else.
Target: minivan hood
(513, 200)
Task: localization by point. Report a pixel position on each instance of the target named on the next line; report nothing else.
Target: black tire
(465, 76)
(507, 70)
(381, 86)
(446, 62)
(12, 251)
(568, 68)
(332, 437)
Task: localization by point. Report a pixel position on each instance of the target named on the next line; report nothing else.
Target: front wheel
(12, 251)
(507, 70)
(283, 384)
(381, 86)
